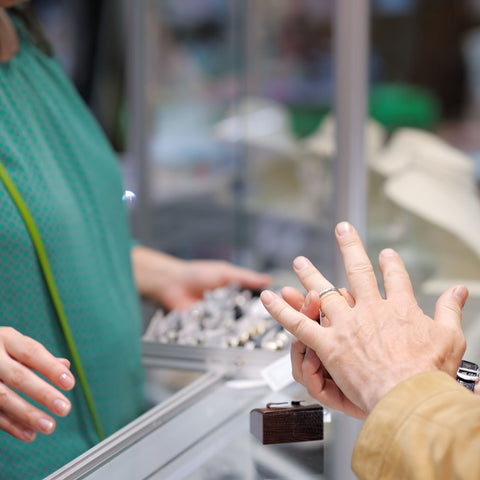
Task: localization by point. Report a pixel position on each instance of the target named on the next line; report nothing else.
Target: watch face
(468, 371)
(469, 365)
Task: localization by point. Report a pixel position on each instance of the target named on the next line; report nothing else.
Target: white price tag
(279, 373)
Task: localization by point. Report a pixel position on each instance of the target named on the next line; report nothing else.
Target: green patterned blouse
(69, 178)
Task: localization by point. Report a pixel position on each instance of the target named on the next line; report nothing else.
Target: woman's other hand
(20, 358)
(177, 284)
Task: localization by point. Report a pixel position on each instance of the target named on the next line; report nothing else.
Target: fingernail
(28, 435)
(461, 293)
(61, 406)
(45, 425)
(266, 297)
(300, 263)
(344, 228)
(388, 252)
(66, 380)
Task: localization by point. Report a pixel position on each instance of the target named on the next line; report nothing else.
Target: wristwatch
(467, 374)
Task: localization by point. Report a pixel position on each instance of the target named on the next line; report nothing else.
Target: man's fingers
(358, 268)
(396, 280)
(347, 296)
(448, 309)
(309, 276)
(312, 279)
(329, 395)
(448, 317)
(302, 327)
(311, 306)
(293, 297)
(312, 366)
(297, 355)
(313, 372)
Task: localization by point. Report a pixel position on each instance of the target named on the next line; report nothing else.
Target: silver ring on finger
(327, 290)
(323, 292)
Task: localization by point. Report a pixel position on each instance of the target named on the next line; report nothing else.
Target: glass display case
(198, 426)
(254, 127)
(224, 94)
(233, 141)
(423, 198)
(259, 125)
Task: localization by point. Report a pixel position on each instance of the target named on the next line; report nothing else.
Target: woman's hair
(25, 12)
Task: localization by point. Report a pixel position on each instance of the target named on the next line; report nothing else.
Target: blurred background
(222, 114)
(236, 124)
(224, 117)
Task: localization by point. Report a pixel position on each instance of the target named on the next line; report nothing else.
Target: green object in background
(400, 105)
(304, 120)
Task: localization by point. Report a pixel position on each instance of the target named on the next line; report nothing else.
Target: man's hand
(307, 368)
(370, 347)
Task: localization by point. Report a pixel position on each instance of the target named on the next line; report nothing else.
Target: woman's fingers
(358, 268)
(65, 361)
(16, 429)
(17, 412)
(34, 355)
(20, 358)
(21, 378)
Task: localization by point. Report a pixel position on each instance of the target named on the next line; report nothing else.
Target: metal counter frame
(175, 437)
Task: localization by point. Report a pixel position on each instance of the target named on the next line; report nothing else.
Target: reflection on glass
(234, 89)
(424, 180)
(162, 383)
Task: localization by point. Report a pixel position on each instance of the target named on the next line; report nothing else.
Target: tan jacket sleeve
(427, 427)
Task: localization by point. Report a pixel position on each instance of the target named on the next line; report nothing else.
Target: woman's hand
(177, 284)
(379, 342)
(20, 358)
